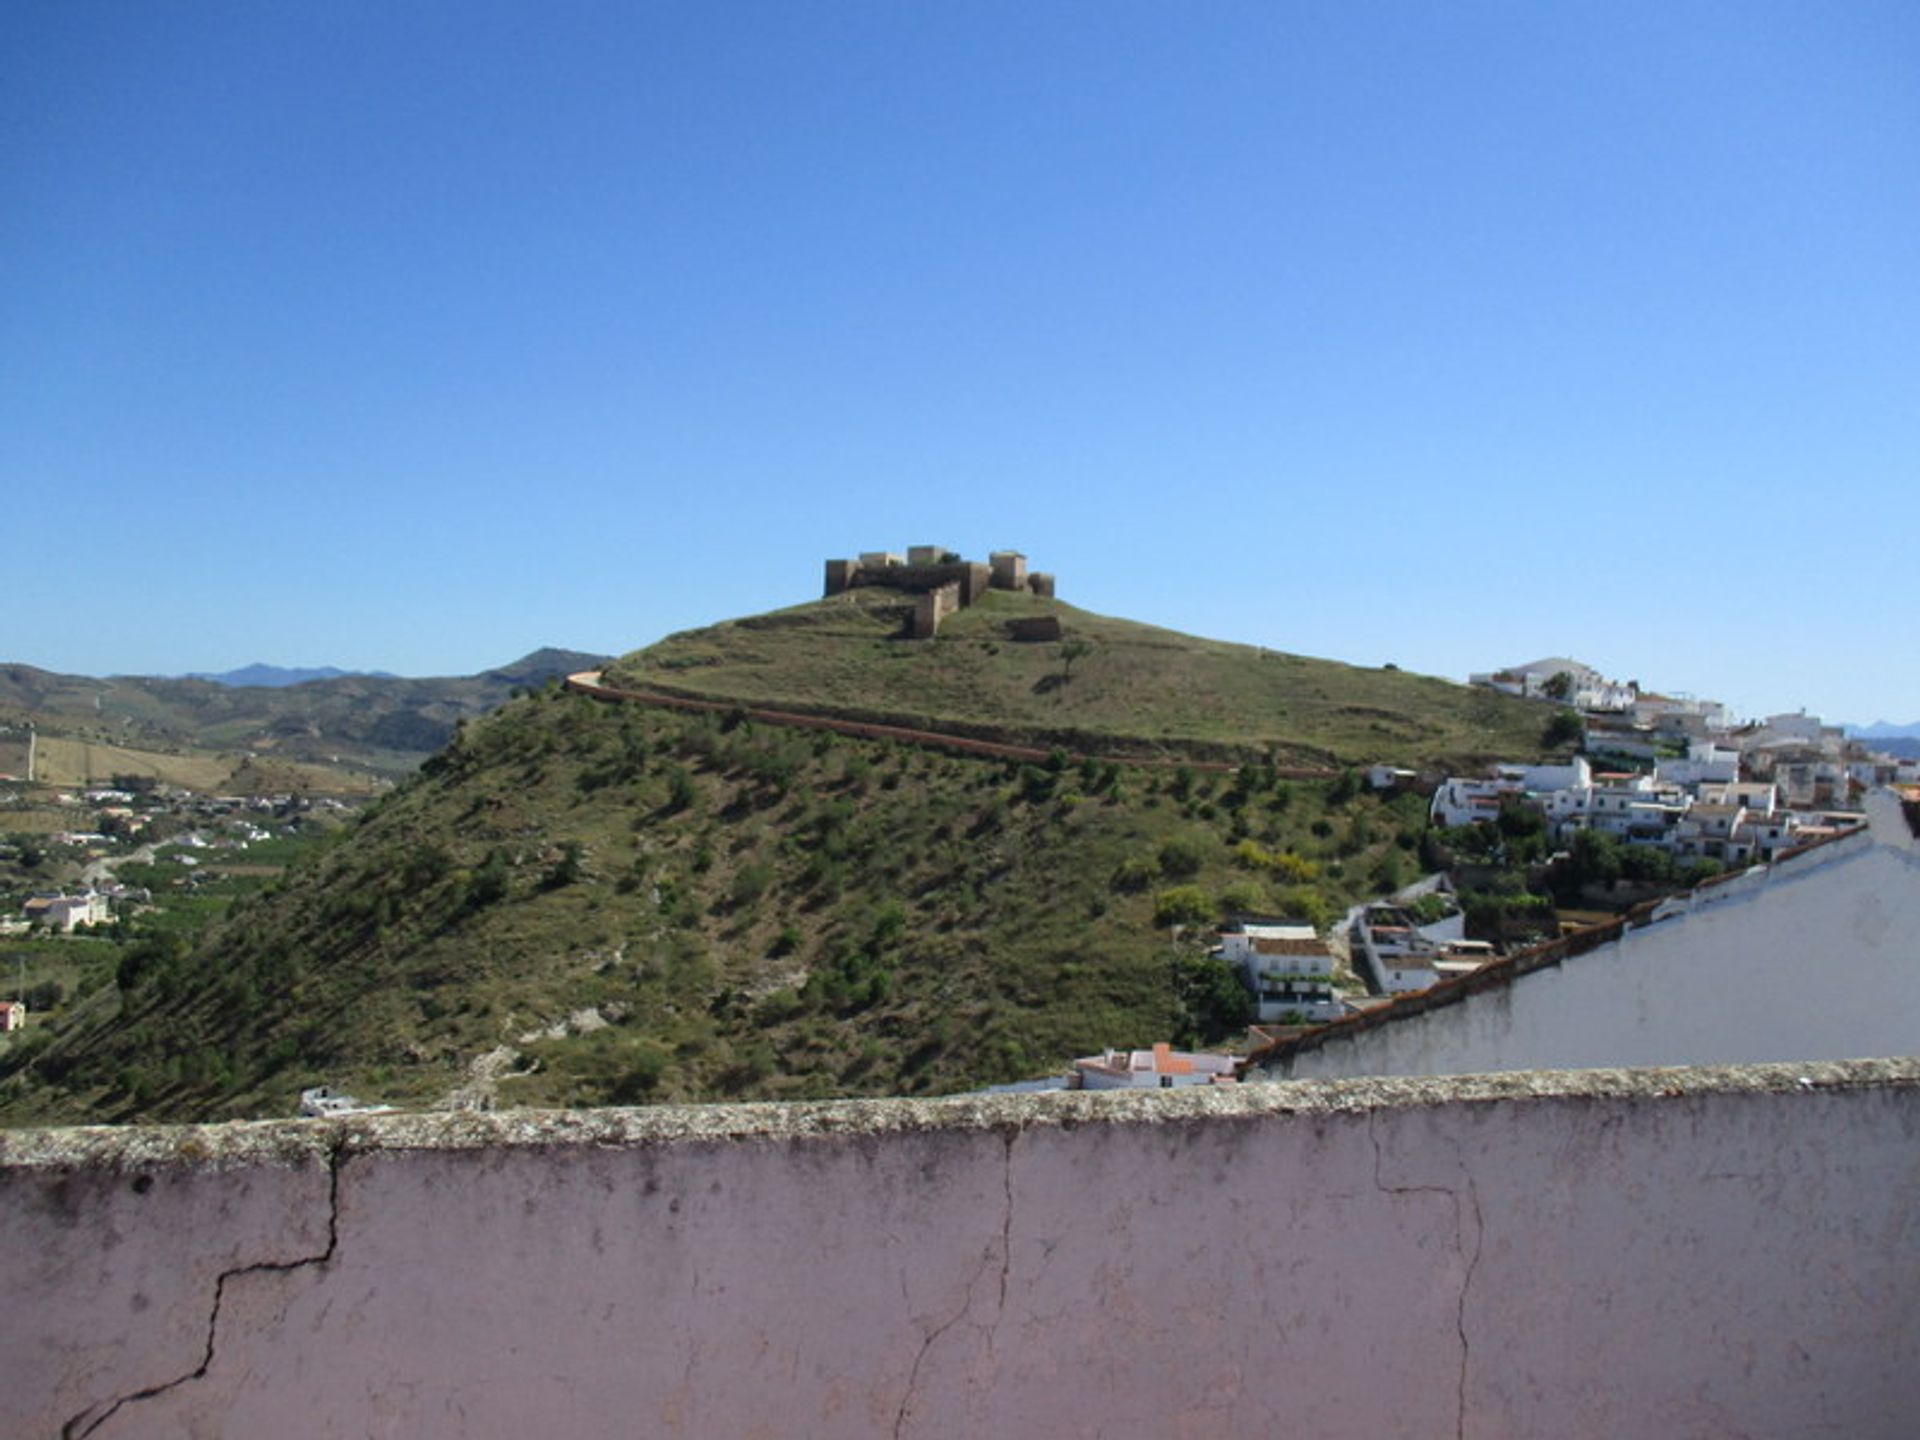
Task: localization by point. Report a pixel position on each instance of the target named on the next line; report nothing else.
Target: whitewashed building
(1161, 1068)
(64, 912)
(1587, 688)
(1288, 967)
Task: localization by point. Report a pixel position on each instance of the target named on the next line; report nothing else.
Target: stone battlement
(929, 570)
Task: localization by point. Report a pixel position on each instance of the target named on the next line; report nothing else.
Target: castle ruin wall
(930, 607)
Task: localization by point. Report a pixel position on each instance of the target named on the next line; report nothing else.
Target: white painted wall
(1696, 1255)
(1816, 958)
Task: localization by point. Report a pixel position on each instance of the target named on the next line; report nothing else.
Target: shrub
(1565, 728)
(1242, 897)
(1252, 855)
(781, 1005)
(1296, 868)
(750, 882)
(646, 1065)
(680, 791)
(1181, 857)
(1182, 905)
(566, 869)
(1310, 905)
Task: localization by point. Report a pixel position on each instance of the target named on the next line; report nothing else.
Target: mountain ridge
(386, 724)
(260, 673)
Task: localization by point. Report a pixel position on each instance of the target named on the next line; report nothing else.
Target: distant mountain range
(380, 722)
(1902, 741)
(1885, 730)
(274, 676)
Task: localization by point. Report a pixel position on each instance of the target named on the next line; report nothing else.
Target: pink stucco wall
(1659, 1253)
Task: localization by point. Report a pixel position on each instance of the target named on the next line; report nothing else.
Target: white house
(1287, 966)
(1630, 807)
(1587, 688)
(1389, 777)
(1404, 955)
(1680, 714)
(1461, 801)
(63, 912)
(1706, 763)
(1161, 1068)
(1539, 779)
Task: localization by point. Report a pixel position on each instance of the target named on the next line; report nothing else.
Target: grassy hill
(613, 903)
(582, 902)
(1137, 689)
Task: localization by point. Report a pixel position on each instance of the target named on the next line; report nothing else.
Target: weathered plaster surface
(1672, 1253)
(1816, 958)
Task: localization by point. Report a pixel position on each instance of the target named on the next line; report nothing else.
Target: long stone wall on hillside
(588, 682)
(1665, 1253)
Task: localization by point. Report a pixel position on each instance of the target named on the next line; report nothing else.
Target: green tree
(1182, 856)
(646, 1064)
(1242, 897)
(1596, 856)
(1182, 905)
(1559, 686)
(1213, 1003)
(1565, 728)
(1071, 651)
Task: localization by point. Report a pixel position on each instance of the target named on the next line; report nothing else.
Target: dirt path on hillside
(588, 682)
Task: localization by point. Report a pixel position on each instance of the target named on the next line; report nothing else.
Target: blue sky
(414, 336)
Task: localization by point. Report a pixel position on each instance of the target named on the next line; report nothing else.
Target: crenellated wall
(1657, 1253)
(924, 570)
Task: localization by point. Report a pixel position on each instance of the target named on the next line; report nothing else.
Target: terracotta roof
(1290, 947)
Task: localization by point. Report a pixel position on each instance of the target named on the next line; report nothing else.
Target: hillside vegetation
(580, 902)
(1135, 689)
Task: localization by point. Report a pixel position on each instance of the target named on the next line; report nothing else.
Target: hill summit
(1027, 667)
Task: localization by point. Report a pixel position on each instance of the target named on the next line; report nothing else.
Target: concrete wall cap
(301, 1142)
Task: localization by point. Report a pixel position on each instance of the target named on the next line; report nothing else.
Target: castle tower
(1009, 570)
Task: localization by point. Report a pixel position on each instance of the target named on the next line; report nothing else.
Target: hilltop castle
(940, 581)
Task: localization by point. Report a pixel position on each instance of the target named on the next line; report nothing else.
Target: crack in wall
(1472, 1260)
(1006, 1235)
(932, 1337)
(1460, 1311)
(93, 1417)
